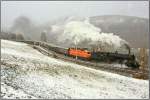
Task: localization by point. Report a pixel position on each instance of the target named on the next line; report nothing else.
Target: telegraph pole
(76, 48)
(143, 58)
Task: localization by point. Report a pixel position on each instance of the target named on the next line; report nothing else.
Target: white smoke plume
(70, 32)
(84, 34)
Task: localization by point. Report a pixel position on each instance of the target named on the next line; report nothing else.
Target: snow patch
(8, 92)
(48, 78)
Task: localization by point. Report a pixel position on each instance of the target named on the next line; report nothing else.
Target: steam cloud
(84, 34)
(70, 32)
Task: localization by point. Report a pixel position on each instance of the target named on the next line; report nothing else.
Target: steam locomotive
(85, 54)
(108, 57)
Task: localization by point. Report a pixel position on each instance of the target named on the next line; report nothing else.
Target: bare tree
(43, 37)
(19, 36)
(12, 36)
(4, 35)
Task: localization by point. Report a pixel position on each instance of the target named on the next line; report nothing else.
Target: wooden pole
(143, 58)
(76, 49)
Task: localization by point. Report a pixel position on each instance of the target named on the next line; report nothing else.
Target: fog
(67, 21)
(45, 11)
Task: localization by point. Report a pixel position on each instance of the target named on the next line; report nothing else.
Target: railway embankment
(27, 73)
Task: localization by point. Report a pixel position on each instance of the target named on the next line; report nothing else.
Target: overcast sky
(43, 11)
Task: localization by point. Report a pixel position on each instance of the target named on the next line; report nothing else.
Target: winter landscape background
(109, 26)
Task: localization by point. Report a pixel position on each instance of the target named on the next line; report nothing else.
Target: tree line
(20, 36)
(12, 36)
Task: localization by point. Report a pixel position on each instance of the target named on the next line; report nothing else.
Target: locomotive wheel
(132, 64)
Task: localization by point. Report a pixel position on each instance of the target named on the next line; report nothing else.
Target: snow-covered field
(26, 73)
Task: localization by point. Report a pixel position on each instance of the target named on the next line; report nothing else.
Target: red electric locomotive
(81, 53)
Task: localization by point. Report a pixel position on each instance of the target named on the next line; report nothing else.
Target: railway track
(44, 48)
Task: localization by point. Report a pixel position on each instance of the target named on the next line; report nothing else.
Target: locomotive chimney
(128, 48)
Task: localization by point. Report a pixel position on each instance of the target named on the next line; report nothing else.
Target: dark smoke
(22, 25)
(30, 30)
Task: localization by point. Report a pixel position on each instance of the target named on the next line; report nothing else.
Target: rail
(46, 49)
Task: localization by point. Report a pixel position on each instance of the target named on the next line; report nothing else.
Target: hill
(133, 29)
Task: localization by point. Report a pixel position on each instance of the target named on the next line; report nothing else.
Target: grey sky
(43, 11)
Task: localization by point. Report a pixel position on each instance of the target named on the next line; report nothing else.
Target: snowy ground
(26, 73)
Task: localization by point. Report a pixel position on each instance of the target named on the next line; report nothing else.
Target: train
(109, 57)
(96, 56)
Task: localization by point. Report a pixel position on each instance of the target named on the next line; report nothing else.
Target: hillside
(26, 73)
(133, 29)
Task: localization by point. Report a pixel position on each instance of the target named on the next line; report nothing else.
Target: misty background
(126, 19)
